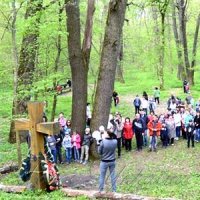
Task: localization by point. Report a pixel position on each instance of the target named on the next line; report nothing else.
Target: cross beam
(37, 128)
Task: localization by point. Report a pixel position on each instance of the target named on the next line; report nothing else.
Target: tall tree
(181, 72)
(26, 63)
(56, 64)
(108, 63)
(194, 50)
(162, 6)
(79, 59)
(182, 6)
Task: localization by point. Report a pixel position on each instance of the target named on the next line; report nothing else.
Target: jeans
(53, 152)
(153, 142)
(68, 153)
(59, 153)
(145, 110)
(76, 154)
(103, 168)
(145, 139)
(197, 134)
(85, 151)
(178, 131)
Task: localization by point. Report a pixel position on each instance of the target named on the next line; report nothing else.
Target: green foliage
(144, 173)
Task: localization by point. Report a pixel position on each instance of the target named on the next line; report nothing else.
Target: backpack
(137, 102)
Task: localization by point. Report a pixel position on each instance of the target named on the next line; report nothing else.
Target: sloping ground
(171, 172)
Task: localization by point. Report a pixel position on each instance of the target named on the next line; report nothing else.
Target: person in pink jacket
(76, 145)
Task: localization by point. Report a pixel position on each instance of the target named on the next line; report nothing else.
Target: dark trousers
(145, 110)
(157, 99)
(119, 140)
(139, 140)
(88, 121)
(128, 144)
(164, 138)
(190, 137)
(184, 134)
(59, 154)
(137, 109)
(172, 140)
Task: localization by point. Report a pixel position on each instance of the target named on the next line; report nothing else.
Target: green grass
(172, 172)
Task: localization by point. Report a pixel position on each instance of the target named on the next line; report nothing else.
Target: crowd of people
(72, 143)
(181, 118)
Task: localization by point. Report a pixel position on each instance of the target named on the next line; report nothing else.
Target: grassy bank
(172, 172)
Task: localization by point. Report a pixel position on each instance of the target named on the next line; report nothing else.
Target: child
(76, 143)
(87, 139)
(67, 145)
(187, 88)
(117, 101)
(164, 135)
(52, 144)
(190, 133)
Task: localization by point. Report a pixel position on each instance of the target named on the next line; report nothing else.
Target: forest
(100, 46)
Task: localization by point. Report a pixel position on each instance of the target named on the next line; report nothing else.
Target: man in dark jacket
(59, 140)
(145, 120)
(138, 129)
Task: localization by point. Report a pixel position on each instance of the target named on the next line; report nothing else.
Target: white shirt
(88, 112)
(145, 103)
(177, 119)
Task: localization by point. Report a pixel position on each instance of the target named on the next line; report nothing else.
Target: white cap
(101, 128)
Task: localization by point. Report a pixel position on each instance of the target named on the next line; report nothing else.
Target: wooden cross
(37, 128)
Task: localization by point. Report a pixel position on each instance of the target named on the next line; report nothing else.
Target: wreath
(49, 168)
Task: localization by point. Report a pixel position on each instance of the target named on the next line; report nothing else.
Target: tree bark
(26, 64)
(162, 50)
(194, 51)
(78, 69)
(108, 65)
(57, 63)
(183, 36)
(119, 70)
(181, 73)
(87, 41)
(157, 36)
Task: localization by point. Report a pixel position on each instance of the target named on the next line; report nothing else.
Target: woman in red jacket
(128, 134)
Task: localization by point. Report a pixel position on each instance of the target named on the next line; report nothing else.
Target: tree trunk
(26, 64)
(181, 73)
(194, 51)
(162, 9)
(87, 42)
(108, 65)
(78, 69)
(183, 35)
(119, 70)
(57, 63)
(162, 51)
(157, 36)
